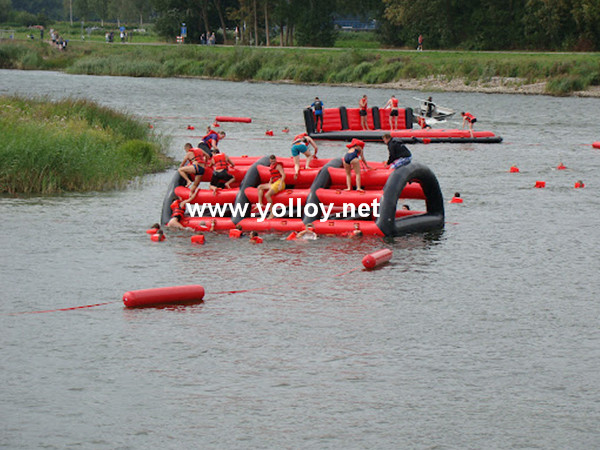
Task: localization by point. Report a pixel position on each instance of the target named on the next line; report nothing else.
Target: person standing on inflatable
(393, 103)
(399, 154)
(317, 105)
(220, 177)
(470, 119)
(193, 164)
(276, 183)
(210, 141)
(352, 159)
(362, 104)
(300, 145)
(420, 43)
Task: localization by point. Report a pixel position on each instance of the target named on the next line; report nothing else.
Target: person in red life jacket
(362, 104)
(422, 122)
(470, 119)
(317, 106)
(255, 238)
(300, 145)
(352, 160)
(561, 166)
(308, 233)
(221, 178)
(579, 184)
(514, 169)
(178, 208)
(420, 43)
(456, 198)
(276, 183)
(393, 103)
(193, 163)
(398, 154)
(210, 141)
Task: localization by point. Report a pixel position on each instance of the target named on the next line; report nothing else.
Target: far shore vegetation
(562, 73)
(50, 147)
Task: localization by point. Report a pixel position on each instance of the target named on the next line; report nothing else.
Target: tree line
(444, 24)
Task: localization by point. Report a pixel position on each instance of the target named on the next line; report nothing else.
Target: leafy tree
(315, 24)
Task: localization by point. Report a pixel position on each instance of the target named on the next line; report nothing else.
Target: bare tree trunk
(222, 19)
(281, 34)
(255, 24)
(267, 23)
(205, 16)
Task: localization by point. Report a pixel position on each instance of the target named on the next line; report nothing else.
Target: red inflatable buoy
(163, 296)
(579, 184)
(233, 119)
(269, 132)
(157, 237)
(456, 200)
(561, 166)
(190, 127)
(377, 258)
(198, 239)
(292, 236)
(596, 144)
(151, 230)
(540, 184)
(216, 125)
(514, 169)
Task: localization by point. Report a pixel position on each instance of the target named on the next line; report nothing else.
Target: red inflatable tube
(368, 178)
(233, 119)
(208, 196)
(221, 223)
(163, 296)
(339, 197)
(344, 227)
(596, 144)
(157, 237)
(283, 197)
(282, 225)
(377, 258)
(305, 176)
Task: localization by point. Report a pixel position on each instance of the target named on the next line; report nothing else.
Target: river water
(485, 335)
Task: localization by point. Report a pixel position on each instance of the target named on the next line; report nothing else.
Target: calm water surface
(485, 335)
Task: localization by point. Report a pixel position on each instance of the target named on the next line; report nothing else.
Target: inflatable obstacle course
(316, 196)
(343, 124)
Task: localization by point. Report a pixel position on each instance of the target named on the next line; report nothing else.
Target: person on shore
(193, 163)
(470, 119)
(221, 178)
(420, 43)
(210, 141)
(362, 105)
(393, 104)
(276, 183)
(300, 145)
(398, 154)
(352, 160)
(317, 106)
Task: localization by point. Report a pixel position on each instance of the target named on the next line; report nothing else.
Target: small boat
(437, 112)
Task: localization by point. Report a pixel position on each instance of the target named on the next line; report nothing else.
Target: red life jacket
(178, 210)
(209, 141)
(199, 155)
(421, 122)
(275, 174)
(220, 161)
(299, 136)
(469, 117)
(394, 102)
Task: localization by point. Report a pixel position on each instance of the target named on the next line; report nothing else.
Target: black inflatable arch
(433, 219)
(251, 179)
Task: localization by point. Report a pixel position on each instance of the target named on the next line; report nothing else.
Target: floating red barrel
(157, 237)
(514, 169)
(197, 239)
(377, 258)
(540, 184)
(163, 296)
(596, 144)
(233, 119)
(579, 184)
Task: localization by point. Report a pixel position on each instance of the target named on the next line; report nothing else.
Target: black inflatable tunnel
(170, 197)
(322, 180)
(309, 120)
(433, 219)
(251, 179)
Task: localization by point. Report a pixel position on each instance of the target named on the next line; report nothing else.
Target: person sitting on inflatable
(470, 119)
(398, 154)
(193, 164)
(300, 145)
(276, 183)
(210, 141)
(221, 178)
(352, 160)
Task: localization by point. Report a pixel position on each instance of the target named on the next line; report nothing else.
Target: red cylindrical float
(235, 233)
(514, 169)
(197, 239)
(163, 296)
(377, 258)
(456, 200)
(233, 119)
(596, 144)
(157, 237)
(151, 230)
(540, 184)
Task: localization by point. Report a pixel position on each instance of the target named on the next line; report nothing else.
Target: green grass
(563, 73)
(71, 145)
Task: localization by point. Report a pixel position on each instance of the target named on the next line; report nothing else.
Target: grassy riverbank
(71, 145)
(561, 74)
